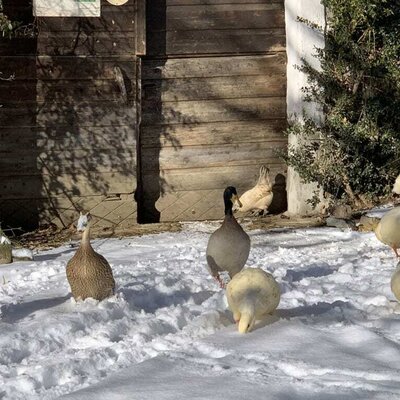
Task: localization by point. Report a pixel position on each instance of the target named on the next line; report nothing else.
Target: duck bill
(236, 201)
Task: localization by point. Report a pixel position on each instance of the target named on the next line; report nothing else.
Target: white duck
(258, 198)
(388, 229)
(396, 186)
(88, 273)
(252, 294)
(395, 282)
(229, 246)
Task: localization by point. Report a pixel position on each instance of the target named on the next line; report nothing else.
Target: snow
(25, 254)
(4, 240)
(168, 334)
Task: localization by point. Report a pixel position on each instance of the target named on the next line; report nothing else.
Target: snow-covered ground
(168, 334)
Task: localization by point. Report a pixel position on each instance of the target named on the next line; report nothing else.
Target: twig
(10, 78)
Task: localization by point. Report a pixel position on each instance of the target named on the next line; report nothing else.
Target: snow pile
(168, 334)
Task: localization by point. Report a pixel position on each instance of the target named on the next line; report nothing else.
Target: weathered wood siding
(17, 125)
(68, 121)
(213, 104)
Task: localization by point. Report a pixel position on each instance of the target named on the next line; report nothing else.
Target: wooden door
(71, 118)
(213, 103)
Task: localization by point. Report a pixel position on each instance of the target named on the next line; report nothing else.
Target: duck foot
(220, 281)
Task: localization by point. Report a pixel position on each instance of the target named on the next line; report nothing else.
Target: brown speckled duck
(229, 246)
(88, 273)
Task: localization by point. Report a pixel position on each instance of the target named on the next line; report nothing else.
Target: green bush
(353, 154)
(7, 27)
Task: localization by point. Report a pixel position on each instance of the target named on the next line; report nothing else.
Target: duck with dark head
(229, 246)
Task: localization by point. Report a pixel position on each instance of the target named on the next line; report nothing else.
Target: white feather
(260, 196)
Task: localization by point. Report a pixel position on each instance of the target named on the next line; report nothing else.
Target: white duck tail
(264, 178)
(247, 318)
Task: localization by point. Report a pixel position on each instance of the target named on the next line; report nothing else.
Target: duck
(388, 229)
(258, 198)
(252, 294)
(228, 247)
(89, 274)
(396, 186)
(5, 249)
(395, 282)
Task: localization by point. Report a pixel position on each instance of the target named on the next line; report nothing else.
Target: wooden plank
(58, 138)
(17, 91)
(61, 90)
(20, 66)
(36, 187)
(91, 43)
(97, 138)
(69, 162)
(234, 132)
(64, 67)
(243, 177)
(84, 114)
(90, 68)
(141, 25)
(203, 67)
(215, 88)
(15, 117)
(209, 156)
(18, 46)
(230, 16)
(13, 140)
(216, 42)
(191, 112)
(39, 162)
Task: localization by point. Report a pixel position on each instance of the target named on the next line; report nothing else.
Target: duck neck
(85, 242)
(228, 208)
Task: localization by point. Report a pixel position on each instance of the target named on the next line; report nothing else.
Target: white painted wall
(301, 42)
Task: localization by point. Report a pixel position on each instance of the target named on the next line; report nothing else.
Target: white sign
(66, 8)
(117, 2)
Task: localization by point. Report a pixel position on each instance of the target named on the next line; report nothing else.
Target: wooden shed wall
(68, 121)
(213, 104)
(208, 95)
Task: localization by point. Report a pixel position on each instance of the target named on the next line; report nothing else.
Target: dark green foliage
(354, 152)
(7, 27)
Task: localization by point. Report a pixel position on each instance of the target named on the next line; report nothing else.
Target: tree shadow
(151, 299)
(316, 310)
(13, 313)
(49, 257)
(313, 271)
